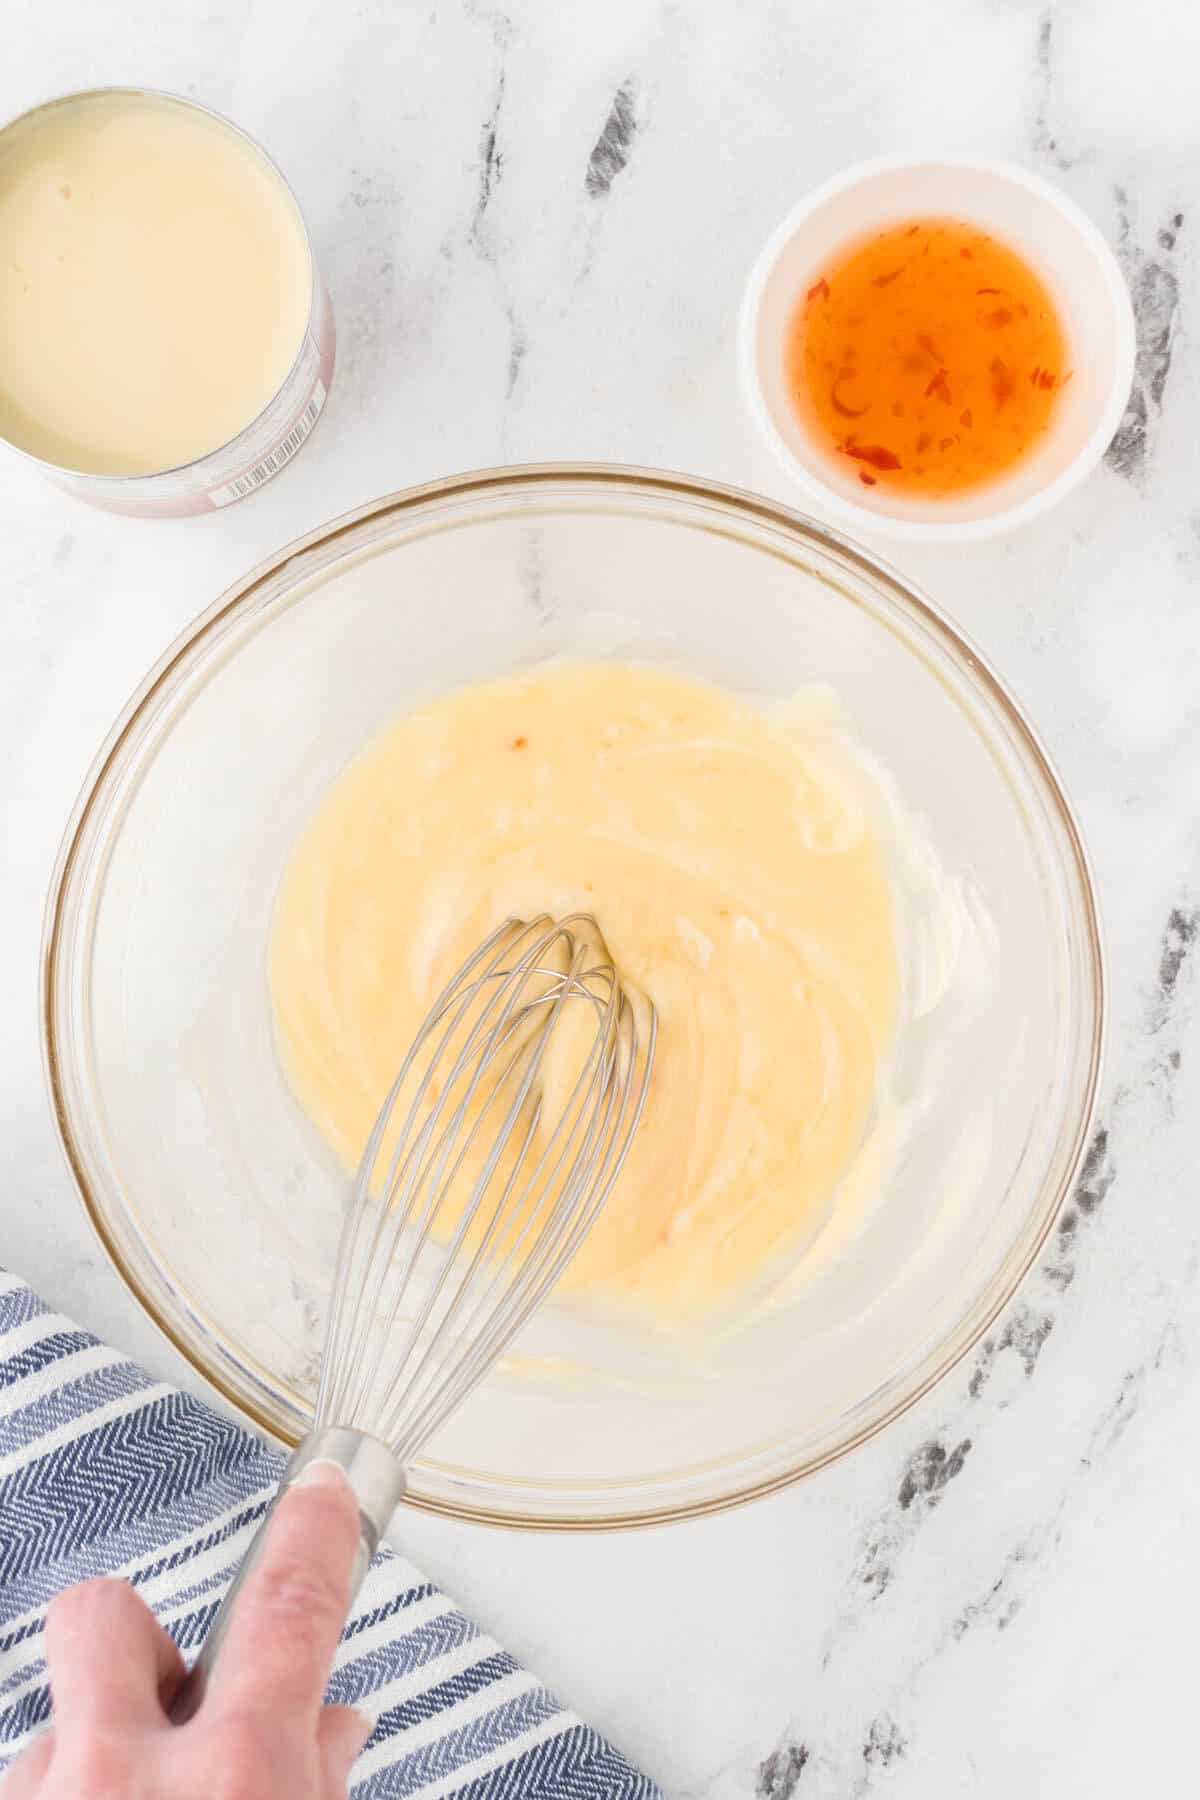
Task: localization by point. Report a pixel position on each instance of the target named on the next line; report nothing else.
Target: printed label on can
(278, 458)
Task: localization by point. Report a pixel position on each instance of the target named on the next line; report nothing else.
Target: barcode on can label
(277, 459)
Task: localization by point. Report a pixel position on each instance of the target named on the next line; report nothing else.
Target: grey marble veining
(536, 221)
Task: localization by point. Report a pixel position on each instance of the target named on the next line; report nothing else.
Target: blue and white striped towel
(104, 1471)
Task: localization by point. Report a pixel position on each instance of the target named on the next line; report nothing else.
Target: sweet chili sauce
(930, 357)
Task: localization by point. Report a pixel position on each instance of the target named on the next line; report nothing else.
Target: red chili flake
(878, 455)
(839, 406)
(924, 441)
(945, 443)
(989, 290)
(1069, 376)
(967, 255)
(912, 231)
(1001, 315)
(930, 348)
(1044, 378)
(818, 291)
(964, 418)
(519, 743)
(940, 386)
(886, 280)
(1003, 382)
(867, 480)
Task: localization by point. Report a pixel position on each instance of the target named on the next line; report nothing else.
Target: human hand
(262, 1732)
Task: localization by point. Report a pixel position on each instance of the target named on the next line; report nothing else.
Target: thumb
(24, 1778)
(342, 1732)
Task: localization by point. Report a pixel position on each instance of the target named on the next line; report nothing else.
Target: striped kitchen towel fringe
(105, 1471)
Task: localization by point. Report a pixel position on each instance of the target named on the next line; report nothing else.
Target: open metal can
(270, 438)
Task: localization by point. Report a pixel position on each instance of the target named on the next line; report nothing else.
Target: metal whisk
(487, 1166)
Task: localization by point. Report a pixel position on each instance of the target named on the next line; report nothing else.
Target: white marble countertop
(536, 224)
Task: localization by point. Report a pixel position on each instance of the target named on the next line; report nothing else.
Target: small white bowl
(1059, 241)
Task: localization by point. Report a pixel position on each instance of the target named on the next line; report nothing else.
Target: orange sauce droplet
(928, 359)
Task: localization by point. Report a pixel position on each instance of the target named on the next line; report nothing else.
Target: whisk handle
(378, 1483)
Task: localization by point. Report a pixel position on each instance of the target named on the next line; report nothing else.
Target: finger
(342, 1733)
(25, 1775)
(108, 1656)
(286, 1624)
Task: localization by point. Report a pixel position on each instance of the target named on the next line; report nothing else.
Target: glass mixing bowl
(210, 1190)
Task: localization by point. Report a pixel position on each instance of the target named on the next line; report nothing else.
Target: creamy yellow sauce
(155, 283)
(734, 858)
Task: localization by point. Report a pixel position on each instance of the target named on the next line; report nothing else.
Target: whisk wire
(495, 1175)
(536, 1280)
(501, 1219)
(343, 1362)
(438, 1179)
(522, 1256)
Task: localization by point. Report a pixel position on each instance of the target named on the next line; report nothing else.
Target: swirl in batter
(735, 858)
